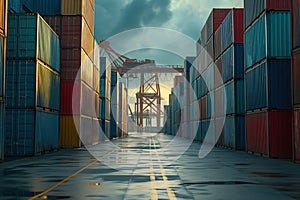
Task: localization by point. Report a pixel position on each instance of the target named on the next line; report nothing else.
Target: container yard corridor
(149, 99)
(75, 174)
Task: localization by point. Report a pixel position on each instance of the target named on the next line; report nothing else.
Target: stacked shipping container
(32, 94)
(232, 70)
(3, 32)
(123, 111)
(295, 17)
(268, 77)
(73, 21)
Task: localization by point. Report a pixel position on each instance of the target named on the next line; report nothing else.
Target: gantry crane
(149, 96)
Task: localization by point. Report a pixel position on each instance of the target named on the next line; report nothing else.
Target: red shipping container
(296, 80)
(203, 108)
(296, 135)
(238, 20)
(67, 96)
(270, 133)
(70, 63)
(278, 4)
(71, 31)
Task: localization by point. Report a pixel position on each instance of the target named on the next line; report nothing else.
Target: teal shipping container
(235, 101)
(30, 37)
(1, 131)
(31, 84)
(268, 38)
(2, 65)
(20, 6)
(210, 104)
(234, 132)
(30, 132)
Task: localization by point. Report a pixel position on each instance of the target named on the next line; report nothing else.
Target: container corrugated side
(218, 42)
(31, 84)
(269, 37)
(43, 7)
(234, 132)
(18, 6)
(30, 132)
(296, 23)
(235, 97)
(210, 104)
(263, 88)
(69, 101)
(296, 134)
(30, 37)
(79, 7)
(68, 136)
(218, 72)
(71, 31)
(295, 78)
(2, 65)
(55, 23)
(87, 40)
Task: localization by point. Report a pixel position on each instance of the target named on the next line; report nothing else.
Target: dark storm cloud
(116, 17)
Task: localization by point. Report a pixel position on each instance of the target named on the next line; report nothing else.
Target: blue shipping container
(1, 131)
(30, 37)
(234, 132)
(30, 132)
(43, 7)
(269, 86)
(269, 37)
(104, 109)
(233, 63)
(20, 6)
(2, 65)
(235, 97)
(208, 77)
(31, 84)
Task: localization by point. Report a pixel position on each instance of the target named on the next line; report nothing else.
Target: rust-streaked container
(69, 137)
(79, 7)
(270, 133)
(296, 135)
(3, 17)
(295, 78)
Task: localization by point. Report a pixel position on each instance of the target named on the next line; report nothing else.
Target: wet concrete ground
(145, 169)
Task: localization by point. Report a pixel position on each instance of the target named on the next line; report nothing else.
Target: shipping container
(105, 78)
(211, 104)
(46, 7)
(232, 28)
(218, 43)
(3, 17)
(269, 86)
(30, 132)
(20, 6)
(2, 65)
(96, 79)
(269, 37)
(104, 108)
(295, 24)
(234, 132)
(235, 101)
(204, 106)
(55, 23)
(218, 104)
(105, 129)
(296, 135)
(80, 7)
(253, 9)
(233, 63)
(30, 37)
(31, 84)
(270, 133)
(204, 127)
(68, 136)
(295, 78)
(209, 47)
(2, 113)
(213, 22)
(218, 72)
(208, 78)
(70, 97)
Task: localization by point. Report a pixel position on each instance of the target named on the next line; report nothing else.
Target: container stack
(105, 97)
(268, 78)
(205, 83)
(114, 113)
(32, 86)
(123, 113)
(188, 97)
(230, 63)
(295, 78)
(178, 102)
(167, 119)
(73, 21)
(3, 32)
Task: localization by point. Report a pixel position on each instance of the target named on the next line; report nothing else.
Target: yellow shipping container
(80, 7)
(69, 137)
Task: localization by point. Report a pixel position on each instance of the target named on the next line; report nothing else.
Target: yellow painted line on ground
(171, 193)
(153, 192)
(62, 181)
